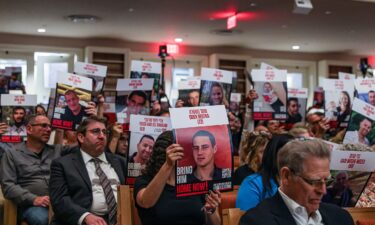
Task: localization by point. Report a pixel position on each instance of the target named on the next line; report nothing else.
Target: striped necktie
(108, 192)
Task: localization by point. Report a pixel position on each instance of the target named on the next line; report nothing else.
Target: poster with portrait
(338, 99)
(204, 135)
(350, 169)
(144, 130)
(216, 86)
(234, 104)
(365, 89)
(15, 82)
(146, 70)
(73, 93)
(15, 109)
(188, 91)
(367, 197)
(318, 98)
(96, 72)
(133, 97)
(272, 90)
(296, 106)
(361, 126)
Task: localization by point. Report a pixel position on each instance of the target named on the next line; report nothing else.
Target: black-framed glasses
(317, 183)
(42, 125)
(97, 131)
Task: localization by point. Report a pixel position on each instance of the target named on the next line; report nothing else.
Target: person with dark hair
(217, 95)
(251, 154)
(371, 97)
(74, 111)
(191, 101)
(40, 110)
(15, 83)
(303, 171)
(360, 135)
(84, 184)
(293, 111)
(204, 148)
(25, 171)
(263, 184)
(135, 104)
(144, 150)
(343, 110)
(155, 194)
(18, 128)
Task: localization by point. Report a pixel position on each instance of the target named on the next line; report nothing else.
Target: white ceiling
(269, 25)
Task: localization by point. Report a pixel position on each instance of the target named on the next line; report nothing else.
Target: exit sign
(231, 22)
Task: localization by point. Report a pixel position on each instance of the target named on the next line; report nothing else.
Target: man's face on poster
(193, 98)
(18, 115)
(136, 103)
(72, 100)
(144, 148)
(203, 151)
(371, 98)
(293, 107)
(3, 81)
(365, 127)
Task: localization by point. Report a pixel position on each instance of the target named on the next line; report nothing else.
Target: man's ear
(215, 148)
(80, 137)
(285, 175)
(29, 128)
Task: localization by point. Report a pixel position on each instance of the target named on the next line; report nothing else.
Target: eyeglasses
(317, 183)
(97, 131)
(43, 125)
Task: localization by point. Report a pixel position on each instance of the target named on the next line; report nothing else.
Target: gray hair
(296, 152)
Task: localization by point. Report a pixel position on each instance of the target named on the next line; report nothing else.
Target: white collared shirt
(299, 212)
(99, 205)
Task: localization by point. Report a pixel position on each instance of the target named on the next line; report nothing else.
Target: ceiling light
(178, 40)
(131, 9)
(42, 30)
(328, 12)
(253, 4)
(296, 47)
(82, 18)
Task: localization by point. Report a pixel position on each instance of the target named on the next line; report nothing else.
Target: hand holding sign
(174, 152)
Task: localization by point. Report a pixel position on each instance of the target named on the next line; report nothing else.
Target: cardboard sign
(73, 93)
(201, 129)
(271, 86)
(296, 106)
(90, 69)
(216, 75)
(352, 161)
(346, 76)
(134, 84)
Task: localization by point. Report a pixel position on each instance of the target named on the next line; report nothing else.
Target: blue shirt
(251, 192)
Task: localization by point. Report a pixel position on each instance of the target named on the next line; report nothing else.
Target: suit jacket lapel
(281, 212)
(81, 168)
(326, 219)
(116, 164)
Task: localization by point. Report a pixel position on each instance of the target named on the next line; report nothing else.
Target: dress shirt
(299, 212)
(99, 204)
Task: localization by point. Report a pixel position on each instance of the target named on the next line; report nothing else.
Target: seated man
(204, 149)
(25, 171)
(303, 173)
(83, 185)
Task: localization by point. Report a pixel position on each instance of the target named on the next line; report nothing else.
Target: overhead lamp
(41, 30)
(178, 40)
(83, 18)
(296, 47)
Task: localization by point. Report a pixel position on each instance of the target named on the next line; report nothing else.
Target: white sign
(154, 125)
(269, 75)
(364, 85)
(352, 161)
(193, 83)
(75, 81)
(346, 76)
(147, 67)
(198, 116)
(135, 84)
(235, 97)
(90, 69)
(265, 66)
(18, 100)
(221, 76)
(298, 92)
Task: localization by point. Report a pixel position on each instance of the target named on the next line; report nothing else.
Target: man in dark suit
(79, 192)
(302, 186)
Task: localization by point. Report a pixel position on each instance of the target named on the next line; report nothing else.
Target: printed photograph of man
(204, 149)
(135, 103)
(191, 99)
(360, 135)
(371, 97)
(144, 150)
(73, 111)
(17, 122)
(4, 85)
(293, 111)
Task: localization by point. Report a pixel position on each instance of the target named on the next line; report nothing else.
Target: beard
(19, 124)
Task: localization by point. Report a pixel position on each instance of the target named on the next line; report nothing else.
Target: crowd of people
(282, 175)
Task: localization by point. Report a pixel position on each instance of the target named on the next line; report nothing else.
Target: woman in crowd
(217, 95)
(40, 110)
(251, 154)
(343, 110)
(263, 184)
(154, 191)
